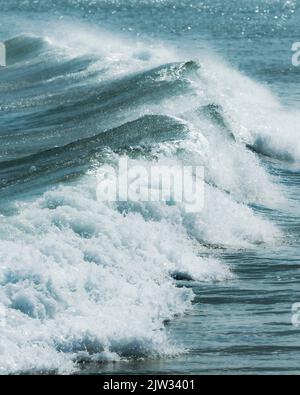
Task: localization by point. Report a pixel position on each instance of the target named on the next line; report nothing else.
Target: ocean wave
(79, 275)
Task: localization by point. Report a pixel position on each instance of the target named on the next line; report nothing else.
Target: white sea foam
(256, 116)
(78, 280)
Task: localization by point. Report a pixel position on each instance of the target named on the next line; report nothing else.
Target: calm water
(146, 287)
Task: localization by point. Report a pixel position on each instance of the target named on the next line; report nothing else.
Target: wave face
(84, 281)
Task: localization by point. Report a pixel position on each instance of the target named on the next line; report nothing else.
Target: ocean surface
(140, 287)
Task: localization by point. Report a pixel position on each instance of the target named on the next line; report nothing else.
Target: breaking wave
(78, 277)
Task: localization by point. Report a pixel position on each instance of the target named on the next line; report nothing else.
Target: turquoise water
(94, 287)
